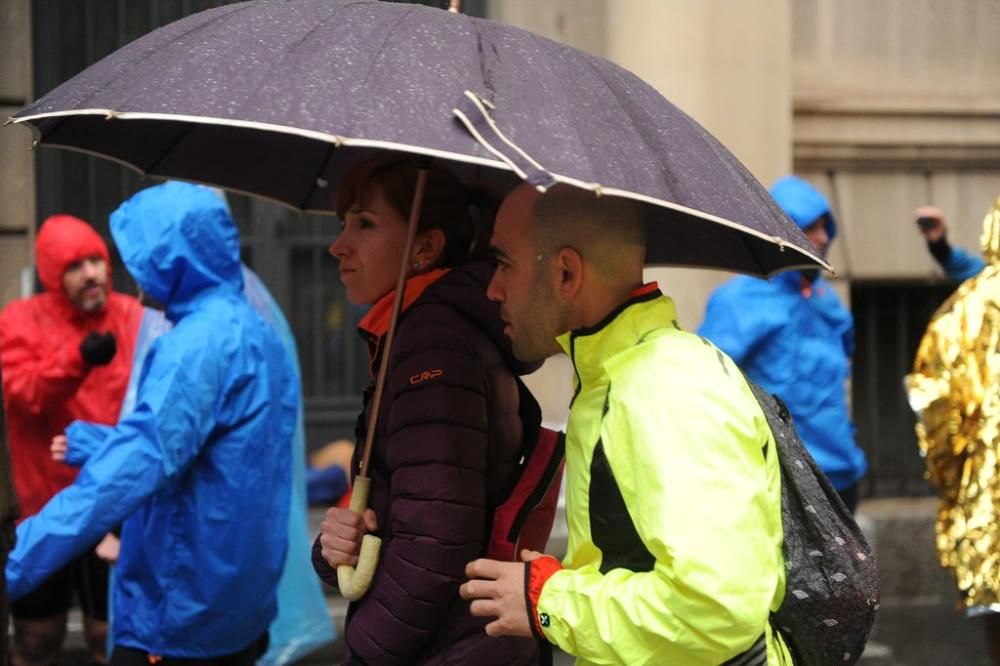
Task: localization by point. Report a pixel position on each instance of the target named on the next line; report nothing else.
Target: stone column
(727, 64)
(17, 164)
(17, 212)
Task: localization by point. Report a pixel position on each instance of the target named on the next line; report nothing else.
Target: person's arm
(82, 439)
(34, 381)
(695, 483)
(961, 265)
(437, 457)
(956, 263)
(143, 453)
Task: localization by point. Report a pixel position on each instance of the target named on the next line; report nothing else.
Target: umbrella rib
(744, 238)
(187, 129)
(330, 147)
(484, 71)
(60, 121)
(640, 128)
(567, 96)
(386, 38)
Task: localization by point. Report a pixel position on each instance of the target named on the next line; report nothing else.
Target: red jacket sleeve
(35, 379)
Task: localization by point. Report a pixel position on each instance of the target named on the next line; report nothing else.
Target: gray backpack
(831, 582)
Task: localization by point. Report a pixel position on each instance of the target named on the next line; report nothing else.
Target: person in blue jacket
(200, 470)
(956, 263)
(793, 336)
(303, 623)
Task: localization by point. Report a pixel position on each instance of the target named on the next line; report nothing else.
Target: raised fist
(98, 348)
(931, 222)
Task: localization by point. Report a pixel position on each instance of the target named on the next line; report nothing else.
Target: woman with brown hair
(451, 426)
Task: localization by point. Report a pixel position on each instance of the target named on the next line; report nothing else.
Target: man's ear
(428, 247)
(569, 265)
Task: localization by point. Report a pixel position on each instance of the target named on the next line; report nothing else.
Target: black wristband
(940, 250)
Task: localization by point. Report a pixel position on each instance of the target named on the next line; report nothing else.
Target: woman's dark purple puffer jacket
(450, 433)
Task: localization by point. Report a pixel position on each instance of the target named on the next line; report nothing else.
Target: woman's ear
(428, 247)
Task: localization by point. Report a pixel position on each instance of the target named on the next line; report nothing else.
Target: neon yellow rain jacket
(673, 500)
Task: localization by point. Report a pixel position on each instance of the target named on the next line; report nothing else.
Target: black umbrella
(278, 98)
(275, 98)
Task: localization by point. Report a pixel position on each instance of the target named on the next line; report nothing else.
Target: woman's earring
(417, 265)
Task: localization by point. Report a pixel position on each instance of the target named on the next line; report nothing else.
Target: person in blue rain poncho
(303, 622)
(793, 336)
(200, 470)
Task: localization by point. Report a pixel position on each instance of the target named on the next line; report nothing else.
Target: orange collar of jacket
(376, 322)
(647, 288)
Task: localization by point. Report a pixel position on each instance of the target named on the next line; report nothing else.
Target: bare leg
(38, 642)
(96, 633)
(991, 628)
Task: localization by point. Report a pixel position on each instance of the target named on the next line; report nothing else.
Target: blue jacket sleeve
(145, 452)
(961, 265)
(83, 438)
(731, 328)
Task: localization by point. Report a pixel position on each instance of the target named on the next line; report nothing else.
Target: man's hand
(58, 448)
(931, 222)
(340, 535)
(108, 548)
(497, 590)
(98, 348)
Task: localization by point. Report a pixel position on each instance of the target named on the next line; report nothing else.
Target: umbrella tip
(9, 121)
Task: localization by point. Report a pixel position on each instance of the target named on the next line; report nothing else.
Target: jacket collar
(646, 310)
(790, 280)
(795, 281)
(376, 322)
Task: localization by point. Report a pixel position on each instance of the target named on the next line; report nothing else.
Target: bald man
(673, 488)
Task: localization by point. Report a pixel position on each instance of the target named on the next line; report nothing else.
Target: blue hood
(178, 240)
(803, 203)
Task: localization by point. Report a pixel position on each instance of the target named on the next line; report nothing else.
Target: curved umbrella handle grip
(354, 581)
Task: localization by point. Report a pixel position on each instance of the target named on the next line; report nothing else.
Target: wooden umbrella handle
(355, 581)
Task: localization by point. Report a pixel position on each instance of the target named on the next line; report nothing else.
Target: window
(889, 320)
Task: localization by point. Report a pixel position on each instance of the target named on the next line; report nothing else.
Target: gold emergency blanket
(955, 391)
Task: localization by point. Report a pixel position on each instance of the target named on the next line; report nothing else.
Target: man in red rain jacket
(66, 354)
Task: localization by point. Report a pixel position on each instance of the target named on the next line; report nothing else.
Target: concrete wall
(896, 104)
(17, 186)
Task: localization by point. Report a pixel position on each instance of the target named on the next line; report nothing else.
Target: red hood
(62, 240)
